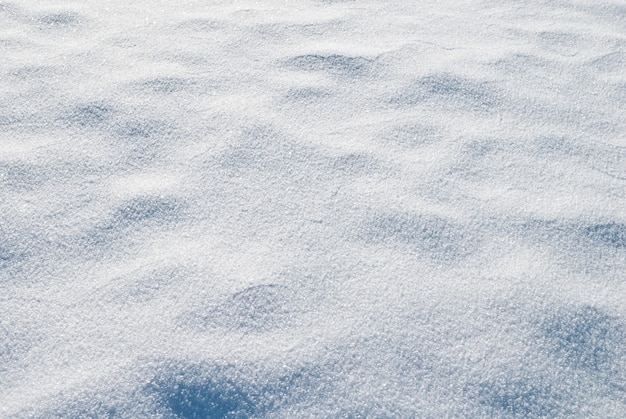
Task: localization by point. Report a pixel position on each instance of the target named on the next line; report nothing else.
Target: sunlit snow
(351, 209)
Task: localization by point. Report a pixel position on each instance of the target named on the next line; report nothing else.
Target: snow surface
(312, 209)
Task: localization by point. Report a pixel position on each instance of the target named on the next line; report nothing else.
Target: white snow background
(298, 209)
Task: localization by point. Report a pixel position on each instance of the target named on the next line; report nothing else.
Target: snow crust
(312, 209)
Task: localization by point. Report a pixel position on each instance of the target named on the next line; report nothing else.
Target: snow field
(322, 209)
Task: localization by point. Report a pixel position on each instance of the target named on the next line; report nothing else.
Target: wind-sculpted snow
(345, 209)
(334, 64)
(439, 239)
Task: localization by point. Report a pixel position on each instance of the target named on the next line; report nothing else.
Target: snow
(319, 209)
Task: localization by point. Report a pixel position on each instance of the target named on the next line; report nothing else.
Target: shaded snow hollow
(319, 209)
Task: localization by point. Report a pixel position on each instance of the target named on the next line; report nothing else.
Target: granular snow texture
(351, 209)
